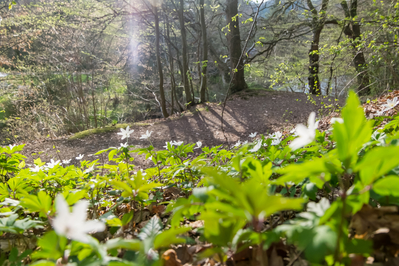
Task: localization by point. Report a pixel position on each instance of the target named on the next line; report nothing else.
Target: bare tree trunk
(352, 31)
(159, 64)
(172, 76)
(314, 82)
(93, 99)
(234, 40)
(186, 84)
(204, 62)
(317, 25)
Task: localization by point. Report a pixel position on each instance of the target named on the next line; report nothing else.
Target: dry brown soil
(263, 112)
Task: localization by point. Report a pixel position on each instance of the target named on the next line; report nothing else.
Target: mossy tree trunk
(234, 41)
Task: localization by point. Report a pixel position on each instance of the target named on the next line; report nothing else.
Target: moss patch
(86, 133)
(89, 132)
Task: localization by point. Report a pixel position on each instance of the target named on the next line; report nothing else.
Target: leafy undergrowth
(309, 197)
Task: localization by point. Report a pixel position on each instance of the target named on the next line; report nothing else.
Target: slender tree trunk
(171, 66)
(171, 70)
(314, 82)
(93, 99)
(204, 62)
(352, 31)
(159, 64)
(234, 40)
(317, 25)
(186, 84)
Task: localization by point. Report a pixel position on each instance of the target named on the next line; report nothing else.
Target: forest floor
(263, 112)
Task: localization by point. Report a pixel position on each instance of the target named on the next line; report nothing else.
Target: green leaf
(120, 243)
(51, 246)
(43, 263)
(387, 186)
(377, 162)
(111, 154)
(319, 170)
(114, 222)
(122, 263)
(127, 217)
(12, 225)
(322, 243)
(72, 197)
(168, 237)
(151, 229)
(37, 203)
(353, 133)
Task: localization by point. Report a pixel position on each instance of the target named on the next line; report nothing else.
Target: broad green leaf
(12, 225)
(43, 263)
(114, 222)
(37, 203)
(377, 162)
(318, 170)
(387, 186)
(120, 243)
(127, 217)
(4, 191)
(169, 237)
(323, 241)
(151, 229)
(51, 246)
(259, 172)
(74, 196)
(353, 133)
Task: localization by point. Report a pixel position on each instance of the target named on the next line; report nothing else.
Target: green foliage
(234, 192)
(11, 224)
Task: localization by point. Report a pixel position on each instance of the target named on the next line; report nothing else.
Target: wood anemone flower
(73, 225)
(125, 133)
(306, 134)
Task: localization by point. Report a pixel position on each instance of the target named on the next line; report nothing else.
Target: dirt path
(263, 112)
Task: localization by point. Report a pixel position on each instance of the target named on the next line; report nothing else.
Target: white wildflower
(257, 146)
(12, 146)
(253, 135)
(66, 161)
(146, 135)
(173, 143)
(73, 225)
(293, 132)
(80, 157)
(238, 143)
(336, 119)
(390, 104)
(199, 145)
(176, 143)
(276, 138)
(125, 133)
(275, 142)
(380, 113)
(166, 144)
(306, 134)
(36, 169)
(52, 164)
(276, 135)
(124, 145)
(90, 169)
(378, 136)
